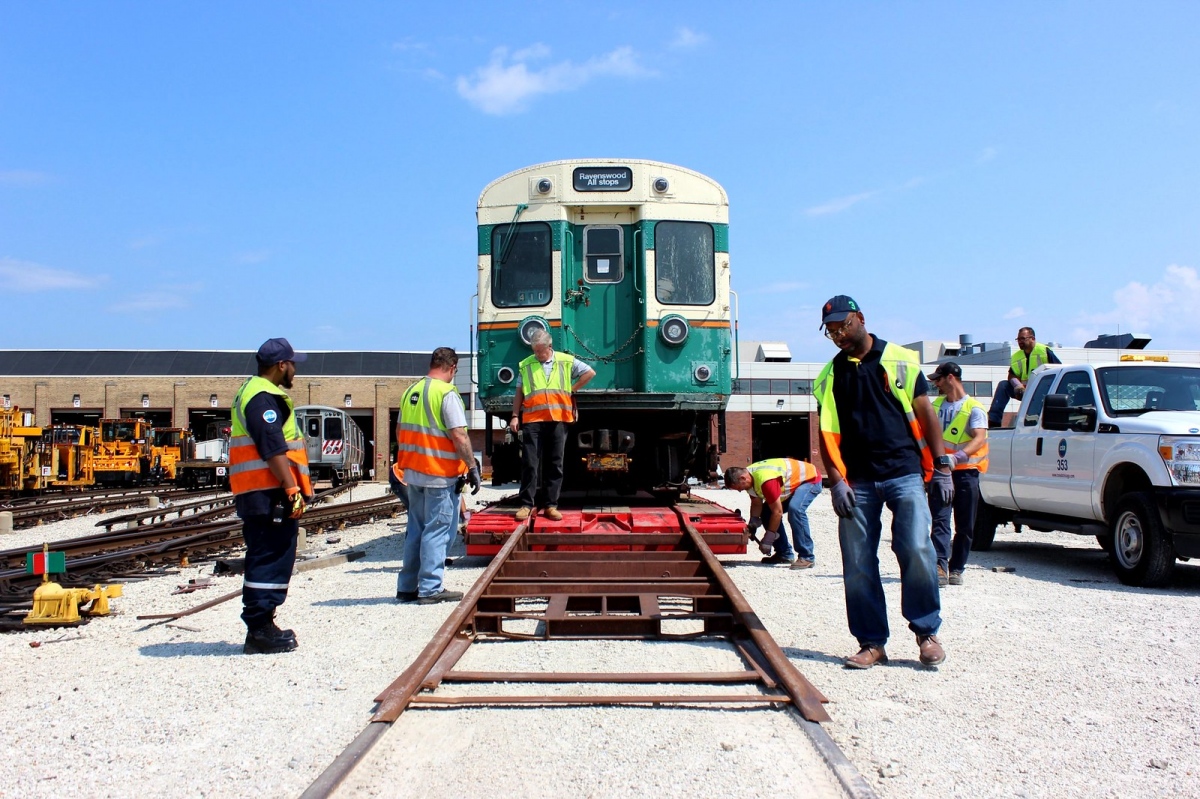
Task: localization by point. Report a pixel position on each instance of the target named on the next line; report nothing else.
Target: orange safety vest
(547, 399)
(247, 470)
(425, 445)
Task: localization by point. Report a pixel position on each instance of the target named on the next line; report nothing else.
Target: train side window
(333, 428)
(604, 256)
(521, 265)
(313, 427)
(684, 263)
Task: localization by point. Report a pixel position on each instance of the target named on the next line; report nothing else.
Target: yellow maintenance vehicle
(18, 436)
(172, 445)
(124, 454)
(64, 457)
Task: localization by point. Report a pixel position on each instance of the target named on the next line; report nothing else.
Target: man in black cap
(269, 478)
(964, 425)
(881, 442)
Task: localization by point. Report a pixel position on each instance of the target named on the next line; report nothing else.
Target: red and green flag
(45, 562)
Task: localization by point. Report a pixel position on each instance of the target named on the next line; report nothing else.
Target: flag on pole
(45, 562)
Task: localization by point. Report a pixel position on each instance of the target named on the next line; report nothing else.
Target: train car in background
(171, 446)
(335, 443)
(626, 264)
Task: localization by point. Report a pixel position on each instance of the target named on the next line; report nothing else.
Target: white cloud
(841, 203)
(26, 276)
(252, 256)
(1015, 313)
(24, 177)
(1171, 305)
(165, 299)
(507, 84)
(686, 39)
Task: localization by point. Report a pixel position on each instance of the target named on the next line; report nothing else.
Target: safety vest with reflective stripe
(547, 398)
(956, 436)
(794, 473)
(900, 367)
(1022, 368)
(425, 445)
(247, 470)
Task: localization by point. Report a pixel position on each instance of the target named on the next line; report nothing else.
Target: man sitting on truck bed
(1029, 356)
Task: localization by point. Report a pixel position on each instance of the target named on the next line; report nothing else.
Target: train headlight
(673, 329)
(530, 325)
(506, 375)
(702, 373)
(544, 186)
(661, 185)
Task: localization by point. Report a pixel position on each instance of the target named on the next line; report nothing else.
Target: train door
(310, 424)
(600, 315)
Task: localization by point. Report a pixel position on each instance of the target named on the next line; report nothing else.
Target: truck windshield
(1134, 390)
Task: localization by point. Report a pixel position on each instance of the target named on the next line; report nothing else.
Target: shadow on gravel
(1070, 566)
(376, 570)
(345, 603)
(191, 649)
(810, 655)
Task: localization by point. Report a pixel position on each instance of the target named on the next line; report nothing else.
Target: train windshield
(119, 431)
(333, 428)
(685, 263)
(521, 265)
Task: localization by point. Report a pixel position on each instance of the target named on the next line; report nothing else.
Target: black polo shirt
(265, 415)
(877, 443)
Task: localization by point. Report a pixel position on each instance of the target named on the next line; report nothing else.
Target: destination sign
(611, 178)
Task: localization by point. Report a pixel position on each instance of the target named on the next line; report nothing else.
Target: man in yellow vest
(780, 485)
(268, 475)
(1029, 356)
(434, 452)
(964, 432)
(881, 443)
(542, 408)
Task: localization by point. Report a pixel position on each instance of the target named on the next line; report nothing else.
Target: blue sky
(208, 175)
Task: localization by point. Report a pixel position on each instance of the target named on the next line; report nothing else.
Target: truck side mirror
(1058, 415)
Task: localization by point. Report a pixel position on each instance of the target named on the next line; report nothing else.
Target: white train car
(335, 443)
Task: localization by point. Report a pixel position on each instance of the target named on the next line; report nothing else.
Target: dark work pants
(964, 507)
(270, 556)
(542, 443)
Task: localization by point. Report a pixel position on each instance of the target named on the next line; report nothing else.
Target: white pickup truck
(1110, 450)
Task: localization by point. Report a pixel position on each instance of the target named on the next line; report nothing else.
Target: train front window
(333, 429)
(521, 265)
(685, 263)
(603, 254)
(313, 428)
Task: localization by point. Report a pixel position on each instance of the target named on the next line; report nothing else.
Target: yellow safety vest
(794, 473)
(957, 436)
(901, 367)
(1022, 369)
(547, 398)
(247, 470)
(425, 445)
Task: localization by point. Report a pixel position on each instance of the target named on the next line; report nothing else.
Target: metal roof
(180, 363)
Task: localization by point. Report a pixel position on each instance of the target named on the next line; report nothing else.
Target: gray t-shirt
(578, 370)
(453, 415)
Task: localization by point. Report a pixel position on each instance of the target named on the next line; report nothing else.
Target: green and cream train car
(626, 264)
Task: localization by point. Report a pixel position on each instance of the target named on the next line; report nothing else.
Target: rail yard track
(32, 511)
(529, 594)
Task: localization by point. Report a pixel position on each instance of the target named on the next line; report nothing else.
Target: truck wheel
(985, 528)
(1142, 552)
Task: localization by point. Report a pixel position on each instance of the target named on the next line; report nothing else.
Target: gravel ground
(1059, 682)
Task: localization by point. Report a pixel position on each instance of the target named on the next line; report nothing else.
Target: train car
(125, 454)
(335, 443)
(626, 264)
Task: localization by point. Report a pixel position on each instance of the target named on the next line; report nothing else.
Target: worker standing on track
(543, 407)
(779, 486)
(881, 441)
(268, 475)
(434, 452)
(964, 431)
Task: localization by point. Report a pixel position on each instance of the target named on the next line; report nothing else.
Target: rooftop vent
(1124, 341)
(774, 352)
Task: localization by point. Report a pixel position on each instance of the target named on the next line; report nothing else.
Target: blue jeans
(797, 513)
(1004, 392)
(859, 536)
(432, 522)
(953, 557)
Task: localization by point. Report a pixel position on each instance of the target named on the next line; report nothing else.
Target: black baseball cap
(837, 309)
(944, 369)
(277, 350)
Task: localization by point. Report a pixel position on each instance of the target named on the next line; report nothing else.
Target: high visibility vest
(793, 472)
(247, 470)
(547, 398)
(956, 436)
(1038, 356)
(425, 445)
(900, 368)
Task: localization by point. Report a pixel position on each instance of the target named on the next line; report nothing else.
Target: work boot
(440, 596)
(956, 578)
(943, 578)
(777, 558)
(552, 514)
(931, 650)
(868, 656)
(406, 596)
(802, 563)
(523, 513)
(269, 640)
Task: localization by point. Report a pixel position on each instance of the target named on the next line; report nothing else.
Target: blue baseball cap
(837, 309)
(277, 350)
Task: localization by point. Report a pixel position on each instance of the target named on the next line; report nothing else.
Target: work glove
(942, 484)
(768, 541)
(961, 456)
(295, 503)
(754, 523)
(475, 480)
(843, 499)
